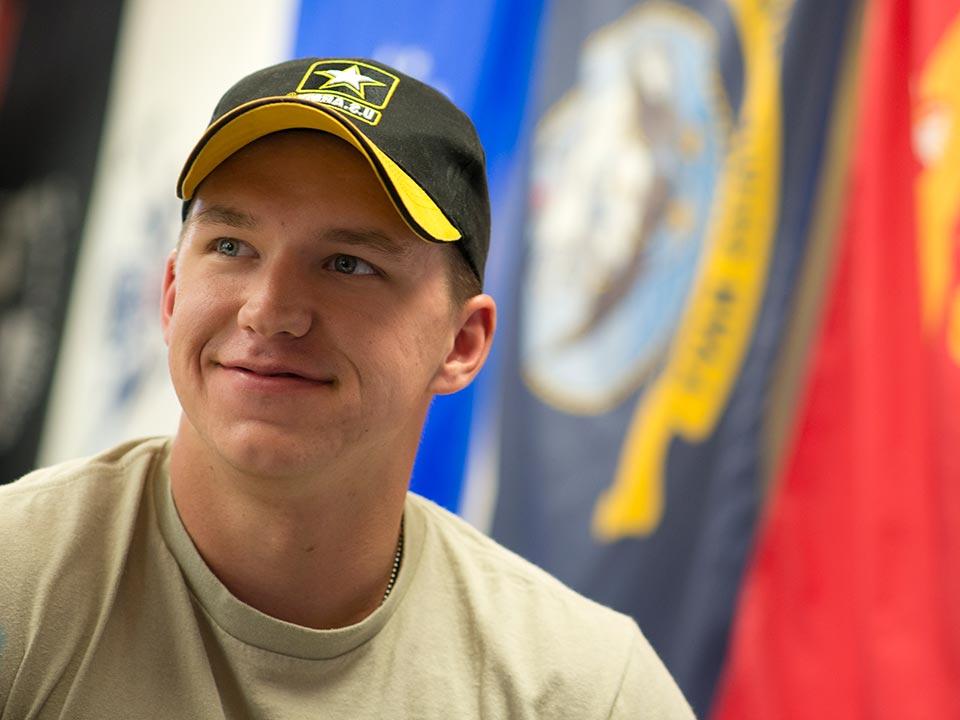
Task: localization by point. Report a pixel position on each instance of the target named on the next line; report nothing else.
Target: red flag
(851, 607)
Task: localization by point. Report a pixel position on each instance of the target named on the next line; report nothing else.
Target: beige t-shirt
(108, 611)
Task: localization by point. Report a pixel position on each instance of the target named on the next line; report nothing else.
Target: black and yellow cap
(423, 149)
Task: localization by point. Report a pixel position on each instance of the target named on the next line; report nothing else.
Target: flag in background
(851, 607)
(674, 172)
(48, 72)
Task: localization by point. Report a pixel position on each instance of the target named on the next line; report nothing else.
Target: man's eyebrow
(358, 237)
(370, 238)
(223, 215)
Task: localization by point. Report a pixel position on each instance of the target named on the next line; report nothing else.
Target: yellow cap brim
(259, 118)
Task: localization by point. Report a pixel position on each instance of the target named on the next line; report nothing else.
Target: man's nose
(276, 304)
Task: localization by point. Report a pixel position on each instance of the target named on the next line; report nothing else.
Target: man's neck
(315, 554)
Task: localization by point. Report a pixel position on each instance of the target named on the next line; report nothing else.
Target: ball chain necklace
(395, 570)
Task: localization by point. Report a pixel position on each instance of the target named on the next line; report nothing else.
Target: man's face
(306, 323)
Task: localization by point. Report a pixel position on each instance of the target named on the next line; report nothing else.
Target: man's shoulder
(486, 564)
(66, 532)
(112, 462)
(563, 651)
(70, 496)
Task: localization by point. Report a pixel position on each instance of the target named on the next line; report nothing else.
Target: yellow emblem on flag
(690, 394)
(936, 141)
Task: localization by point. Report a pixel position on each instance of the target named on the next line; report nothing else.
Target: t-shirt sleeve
(647, 690)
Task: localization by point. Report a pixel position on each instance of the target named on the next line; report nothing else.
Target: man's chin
(274, 453)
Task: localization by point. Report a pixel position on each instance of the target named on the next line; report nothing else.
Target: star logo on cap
(350, 77)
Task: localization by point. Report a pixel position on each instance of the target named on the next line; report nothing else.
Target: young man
(268, 561)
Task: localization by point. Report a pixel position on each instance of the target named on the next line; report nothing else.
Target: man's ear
(169, 295)
(471, 345)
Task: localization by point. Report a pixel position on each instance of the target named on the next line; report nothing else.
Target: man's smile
(273, 375)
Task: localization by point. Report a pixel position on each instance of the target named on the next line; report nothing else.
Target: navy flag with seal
(672, 192)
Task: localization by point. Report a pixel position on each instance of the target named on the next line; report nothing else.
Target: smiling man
(268, 561)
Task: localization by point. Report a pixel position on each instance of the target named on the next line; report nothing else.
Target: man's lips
(279, 371)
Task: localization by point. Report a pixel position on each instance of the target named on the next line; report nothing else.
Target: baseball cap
(422, 148)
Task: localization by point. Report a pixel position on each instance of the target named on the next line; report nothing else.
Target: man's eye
(229, 247)
(350, 265)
